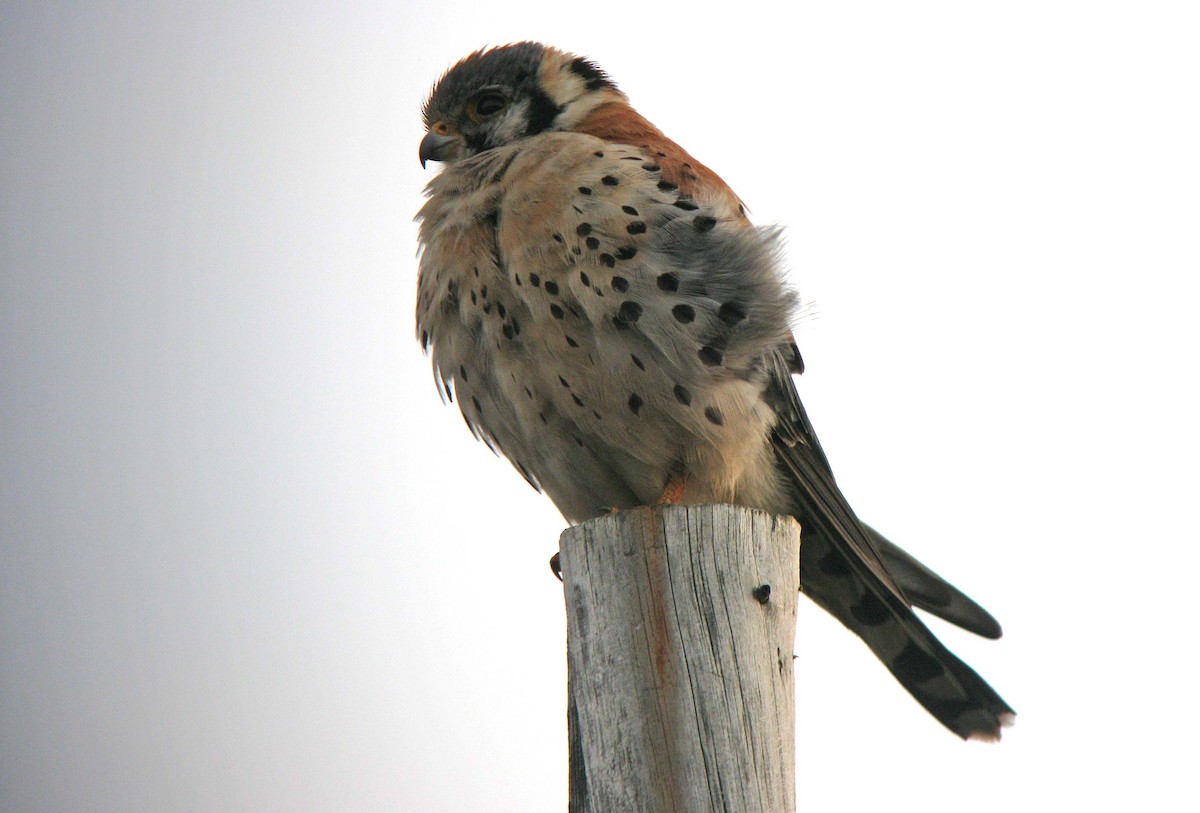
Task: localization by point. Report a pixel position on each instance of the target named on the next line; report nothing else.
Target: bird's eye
(488, 104)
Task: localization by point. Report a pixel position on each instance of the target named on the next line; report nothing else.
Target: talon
(555, 567)
(673, 492)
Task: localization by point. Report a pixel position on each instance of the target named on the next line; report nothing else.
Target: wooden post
(680, 627)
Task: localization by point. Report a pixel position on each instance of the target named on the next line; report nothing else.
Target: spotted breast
(610, 321)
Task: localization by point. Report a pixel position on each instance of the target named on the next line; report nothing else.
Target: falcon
(611, 322)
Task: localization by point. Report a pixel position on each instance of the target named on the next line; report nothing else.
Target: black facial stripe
(542, 112)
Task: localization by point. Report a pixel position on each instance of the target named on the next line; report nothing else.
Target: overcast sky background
(248, 560)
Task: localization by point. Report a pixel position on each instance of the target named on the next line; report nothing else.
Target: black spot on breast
(630, 311)
(462, 373)
(609, 180)
(629, 210)
(528, 392)
(483, 292)
(608, 260)
(424, 339)
(585, 190)
(669, 282)
(626, 253)
(558, 237)
(517, 279)
(711, 355)
(682, 395)
(598, 153)
(572, 342)
(714, 416)
(585, 279)
(637, 361)
(552, 287)
(731, 313)
(508, 332)
(556, 311)
(651, 167)
(564, 382)
(583, 229)
(636, 227)
(870, 611)
(667, 186)
(578, 401)
(474, 299)
(516, 326)
(535, 280)
(686, 205)
(620, 284)
(501, 310)
(683, 314)
(478, 406)
(635, 403)
(593, 243)
(704, 223)
(916, 664)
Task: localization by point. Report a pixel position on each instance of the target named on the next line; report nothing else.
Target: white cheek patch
(570, 92)
(559, 82)
(513, 124)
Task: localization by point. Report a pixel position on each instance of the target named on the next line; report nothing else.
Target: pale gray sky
(248, 560)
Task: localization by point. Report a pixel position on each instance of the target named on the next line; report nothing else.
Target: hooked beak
(441, 143)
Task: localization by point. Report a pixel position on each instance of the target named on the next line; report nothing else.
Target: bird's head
(499, 95)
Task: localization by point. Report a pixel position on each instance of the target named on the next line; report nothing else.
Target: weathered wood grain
(680, 660)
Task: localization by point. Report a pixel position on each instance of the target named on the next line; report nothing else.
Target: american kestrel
(611, 322)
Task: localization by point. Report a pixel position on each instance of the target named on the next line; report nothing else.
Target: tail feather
(932, 593)
(845, 570)
(948, 689)
(870, 585)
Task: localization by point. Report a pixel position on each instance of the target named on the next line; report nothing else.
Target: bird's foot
(673, 492)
